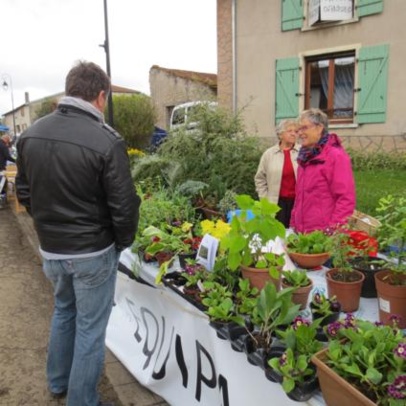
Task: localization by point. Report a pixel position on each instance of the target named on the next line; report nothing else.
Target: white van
(182, 115)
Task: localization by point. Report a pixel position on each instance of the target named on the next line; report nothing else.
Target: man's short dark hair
(86, 80)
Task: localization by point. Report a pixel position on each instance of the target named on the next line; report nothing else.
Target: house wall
(225, 53)
(260, 42)
(168, 90)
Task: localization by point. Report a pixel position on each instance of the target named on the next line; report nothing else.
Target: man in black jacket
(74, 179)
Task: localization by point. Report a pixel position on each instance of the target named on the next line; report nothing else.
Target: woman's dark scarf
(307, 154)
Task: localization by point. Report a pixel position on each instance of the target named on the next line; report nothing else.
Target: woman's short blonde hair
(283, 125)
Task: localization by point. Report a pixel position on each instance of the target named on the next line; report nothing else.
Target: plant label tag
(384, 305)
(206, 255)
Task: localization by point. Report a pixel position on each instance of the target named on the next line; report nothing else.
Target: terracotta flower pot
(259, 277)
(347, 293)
(309, 261)
(336, 390)
(300, 295)
(391, 299)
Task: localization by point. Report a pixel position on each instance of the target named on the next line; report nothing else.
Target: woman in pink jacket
(325, 190)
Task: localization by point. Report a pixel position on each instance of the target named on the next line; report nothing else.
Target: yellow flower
(216, 228)
(134, 152)
(185, 227)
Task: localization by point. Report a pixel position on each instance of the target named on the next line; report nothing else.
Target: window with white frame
(329, 85)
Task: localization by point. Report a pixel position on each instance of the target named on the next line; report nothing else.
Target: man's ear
(100, 101)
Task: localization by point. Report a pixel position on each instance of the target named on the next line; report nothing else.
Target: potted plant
(327, 310)
(298, 374)
(299, 280)
(364, 364)
(273, 309)
(391, 283)
(309, 250)
(344, 282)
(246, 243)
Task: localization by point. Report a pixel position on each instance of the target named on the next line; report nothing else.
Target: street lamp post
(8, 83)
(106, 47)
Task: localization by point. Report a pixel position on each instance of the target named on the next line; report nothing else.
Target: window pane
(343, 87)
(319, 84)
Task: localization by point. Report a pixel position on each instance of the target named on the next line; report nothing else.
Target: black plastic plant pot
(174, 277)
(221, 329)
(368, 266)
(276, 351)
(238, 344)
(304, 391)
(255, 355)
(184, 257)
(331, 318)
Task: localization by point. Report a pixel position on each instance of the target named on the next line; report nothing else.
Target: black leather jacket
(74, 179)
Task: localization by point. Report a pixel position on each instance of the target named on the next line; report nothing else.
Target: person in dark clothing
(74, 180)
(5, 156)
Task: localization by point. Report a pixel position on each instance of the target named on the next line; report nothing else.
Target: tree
(134, 118)
(46, 107)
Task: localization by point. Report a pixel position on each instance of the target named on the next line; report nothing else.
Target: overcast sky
(41, 40)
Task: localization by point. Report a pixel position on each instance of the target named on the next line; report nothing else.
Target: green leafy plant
(273, 309)
(295, 369)
(323, 306)
(371, 357)
(245, 244)
(245, 298)
(392, 232)
(296, 278)
(227, 203)
(301, 341)
(342, 252)
(315, 242)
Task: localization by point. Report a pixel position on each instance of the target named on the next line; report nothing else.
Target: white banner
(335, 10)
(169, 347)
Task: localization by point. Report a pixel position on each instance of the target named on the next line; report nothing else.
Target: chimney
(27, 98)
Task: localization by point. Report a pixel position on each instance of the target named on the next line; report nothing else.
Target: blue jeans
(84, 294)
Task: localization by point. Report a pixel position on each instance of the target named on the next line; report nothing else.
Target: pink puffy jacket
(325, 190)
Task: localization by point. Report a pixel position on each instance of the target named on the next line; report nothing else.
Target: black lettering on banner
(131, 307)
(210, 382)
(162, 372)
(223, 387)
(181, 361)
(148, 352)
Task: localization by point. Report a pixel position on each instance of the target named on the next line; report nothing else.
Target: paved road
(25, 313)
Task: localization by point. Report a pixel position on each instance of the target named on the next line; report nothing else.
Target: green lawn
(372, 185)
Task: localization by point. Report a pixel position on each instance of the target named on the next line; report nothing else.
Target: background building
(277, 58)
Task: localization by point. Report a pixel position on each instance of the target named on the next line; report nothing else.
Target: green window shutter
(287, 88)
(372, 80)
(368, 7)
(292, 14)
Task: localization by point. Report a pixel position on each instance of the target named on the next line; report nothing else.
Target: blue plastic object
(231, 213)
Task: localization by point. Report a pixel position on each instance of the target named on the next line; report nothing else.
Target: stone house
(277, 58)
(170, 87)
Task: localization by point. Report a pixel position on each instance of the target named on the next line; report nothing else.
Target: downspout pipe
(234, 52)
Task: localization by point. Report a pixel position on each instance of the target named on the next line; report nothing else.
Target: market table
(166, 343)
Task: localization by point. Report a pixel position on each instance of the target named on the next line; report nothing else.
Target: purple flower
(397, 389)
(282, 359)
(349, 320)
(298, 321)
(395, 319)
(317, 298)
(379, 324)
(333, 328)
(400, 350)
